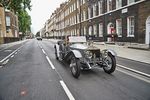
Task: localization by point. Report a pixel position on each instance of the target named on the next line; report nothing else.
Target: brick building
(2, 24)
(104, 20)
(9, 30)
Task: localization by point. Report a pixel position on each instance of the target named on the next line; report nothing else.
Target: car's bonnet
(79, 46)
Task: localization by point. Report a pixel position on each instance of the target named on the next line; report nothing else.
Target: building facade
(12, 29)
(103, 20)
(9, 30)
(2, 24)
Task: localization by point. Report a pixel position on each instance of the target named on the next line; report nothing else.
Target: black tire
(112, 64)
(75, 69)
(56, 56)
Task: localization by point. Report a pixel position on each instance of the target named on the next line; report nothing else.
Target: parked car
(81, 55)
(39, 38)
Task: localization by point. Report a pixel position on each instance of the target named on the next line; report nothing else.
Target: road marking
(70, 96)
(134, 75)
(44, 51)
(15, 53)
(51, 64)
(1, 66)
(133, 70)
(5, 62)
(7, 50)
(12, 56)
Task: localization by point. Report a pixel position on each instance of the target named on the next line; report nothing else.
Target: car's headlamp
(88, 54)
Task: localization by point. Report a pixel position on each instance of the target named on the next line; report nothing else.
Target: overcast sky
(41, 11)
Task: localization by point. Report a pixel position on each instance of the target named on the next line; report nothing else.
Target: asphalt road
(33, 73)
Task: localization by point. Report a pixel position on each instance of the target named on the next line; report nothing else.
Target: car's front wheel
(110, 64)
(75, 66)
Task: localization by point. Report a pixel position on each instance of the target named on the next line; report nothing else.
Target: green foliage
(24, 21)
(19, 7)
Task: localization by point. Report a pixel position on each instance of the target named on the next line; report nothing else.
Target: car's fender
(76, 53)
(110, 51)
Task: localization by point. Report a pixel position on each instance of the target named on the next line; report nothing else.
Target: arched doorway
(147, 38)
(110, 26)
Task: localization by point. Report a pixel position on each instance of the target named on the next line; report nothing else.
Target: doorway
(147, 38)
(110, 26)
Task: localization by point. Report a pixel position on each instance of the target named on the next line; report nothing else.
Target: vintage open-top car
(83, 55)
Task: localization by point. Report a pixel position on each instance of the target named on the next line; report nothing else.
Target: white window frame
(119, 27)
(8, 23)
(100, 7)
(108, 7)
(84, 1)
(94, 9)
(131, 2)
(84, 15)
(89, 12)
(95, 30)
(0, 20)
(118, 4)
(84, 31)
(100, 29)
(90, 30)
(130, 26)
(78, 4)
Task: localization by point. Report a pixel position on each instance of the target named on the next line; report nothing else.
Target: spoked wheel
(75, 67)
(110, 64)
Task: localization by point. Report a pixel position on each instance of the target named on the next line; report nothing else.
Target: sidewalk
(124, 51)
(7, 45)
(129, 53)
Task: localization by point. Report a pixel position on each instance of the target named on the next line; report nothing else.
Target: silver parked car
(84, 56)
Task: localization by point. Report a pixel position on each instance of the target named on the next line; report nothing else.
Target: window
(89, 12)
(131, 1)
(77, 3)
(95, 30)
(84, 31)
(83, 1)
(7, 21)
(130, 23)
(84, 15)
(16, 33)
(94, 9)
(100, 5)
(118, 3)
(119, 27)
(101, 30)
(109, 5)
(0, 20)
(0, 27)
(77, 18)
(90, 30)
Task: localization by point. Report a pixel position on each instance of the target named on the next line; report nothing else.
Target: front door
(147, 39)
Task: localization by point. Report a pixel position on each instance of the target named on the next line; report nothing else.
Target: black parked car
(39, 38)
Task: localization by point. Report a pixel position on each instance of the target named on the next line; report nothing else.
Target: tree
(24, 21)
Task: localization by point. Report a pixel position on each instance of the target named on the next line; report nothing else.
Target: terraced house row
(102, 20)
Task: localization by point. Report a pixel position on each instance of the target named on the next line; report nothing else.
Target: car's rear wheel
(75, 66)
(110, 64)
